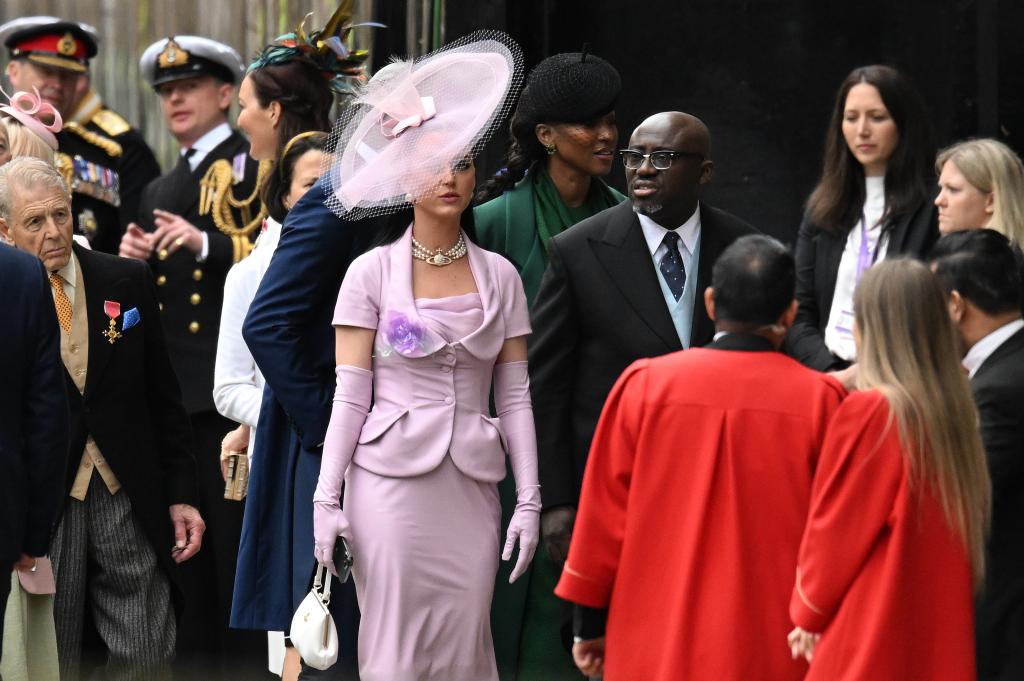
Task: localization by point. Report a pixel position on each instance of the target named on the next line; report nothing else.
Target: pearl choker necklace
(440, 257)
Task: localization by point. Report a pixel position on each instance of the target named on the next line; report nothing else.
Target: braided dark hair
(524, 150)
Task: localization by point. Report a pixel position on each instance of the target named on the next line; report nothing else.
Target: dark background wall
(763, 73)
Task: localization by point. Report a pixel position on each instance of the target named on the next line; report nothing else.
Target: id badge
(844, 326)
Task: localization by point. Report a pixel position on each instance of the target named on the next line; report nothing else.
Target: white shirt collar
(981, 350)
(654, 233)
(207, 143)
(68, 272)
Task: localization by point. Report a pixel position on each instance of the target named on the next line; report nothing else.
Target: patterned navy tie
(672, 265)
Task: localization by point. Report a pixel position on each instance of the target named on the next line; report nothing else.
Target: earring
(551, 149)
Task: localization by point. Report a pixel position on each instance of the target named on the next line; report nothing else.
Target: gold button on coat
(193, 327)
(197, 274)
(162, 254)
(161, 280)
(195, 299)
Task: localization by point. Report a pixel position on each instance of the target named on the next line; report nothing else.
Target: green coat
(507, 225)
(526, 638)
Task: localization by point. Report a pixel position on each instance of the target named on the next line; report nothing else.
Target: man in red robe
(696, 491)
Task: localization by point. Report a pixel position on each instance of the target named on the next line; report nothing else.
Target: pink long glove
(351, 404)
(515, 411)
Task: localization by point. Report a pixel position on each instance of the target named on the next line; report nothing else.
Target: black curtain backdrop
(762, 73)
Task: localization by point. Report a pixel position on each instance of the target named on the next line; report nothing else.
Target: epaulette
(97, 140)
(216, 198)
(65, 166)
(111, 122)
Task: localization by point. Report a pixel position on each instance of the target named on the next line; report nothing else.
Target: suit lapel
(624, 255)
(712, 244)
(99, 287)
(1011, 346)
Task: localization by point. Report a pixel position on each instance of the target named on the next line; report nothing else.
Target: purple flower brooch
(402, 334)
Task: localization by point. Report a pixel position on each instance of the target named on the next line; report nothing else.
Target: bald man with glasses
(625, 284)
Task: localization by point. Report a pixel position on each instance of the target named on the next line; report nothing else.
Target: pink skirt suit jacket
(421, 493)
(430, 396)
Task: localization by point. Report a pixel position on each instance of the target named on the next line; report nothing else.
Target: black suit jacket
(817, 265)
(192, 293)
(600, 308)
(132, 405)
(33, 409)
(998, 387)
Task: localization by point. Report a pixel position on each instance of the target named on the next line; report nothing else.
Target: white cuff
(205, 252)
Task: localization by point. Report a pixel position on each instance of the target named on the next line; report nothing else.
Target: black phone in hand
(342, 559)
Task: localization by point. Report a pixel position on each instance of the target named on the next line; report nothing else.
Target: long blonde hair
(992, 168)
(908, 351)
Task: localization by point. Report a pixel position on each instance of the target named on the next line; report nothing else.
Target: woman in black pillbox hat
(564, 139)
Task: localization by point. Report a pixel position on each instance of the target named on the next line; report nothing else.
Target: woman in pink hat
(27, 125)
(426, 323)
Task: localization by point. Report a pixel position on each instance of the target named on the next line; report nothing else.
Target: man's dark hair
(754, 281)
(982, 266)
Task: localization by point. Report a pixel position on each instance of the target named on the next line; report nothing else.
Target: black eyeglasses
(661, 160)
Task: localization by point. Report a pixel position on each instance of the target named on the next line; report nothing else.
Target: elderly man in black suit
(34, 427)
(982, 274)
(624, 284)
(130, 478)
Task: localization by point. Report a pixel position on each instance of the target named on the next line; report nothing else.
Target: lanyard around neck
(866, 257)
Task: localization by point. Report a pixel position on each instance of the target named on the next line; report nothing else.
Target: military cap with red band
(51, 42)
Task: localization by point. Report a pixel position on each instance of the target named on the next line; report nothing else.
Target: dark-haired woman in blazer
(874, 200)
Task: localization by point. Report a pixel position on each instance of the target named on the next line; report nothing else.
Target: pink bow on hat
(393, 127)
(28, 109)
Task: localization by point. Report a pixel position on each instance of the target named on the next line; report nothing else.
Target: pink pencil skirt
(426, 553)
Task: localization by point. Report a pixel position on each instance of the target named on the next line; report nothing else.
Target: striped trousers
(102, 558)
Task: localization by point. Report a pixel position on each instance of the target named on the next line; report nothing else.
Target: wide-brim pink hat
(414, 120)
(29, 109)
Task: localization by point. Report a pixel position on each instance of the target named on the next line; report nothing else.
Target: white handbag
(313, 633)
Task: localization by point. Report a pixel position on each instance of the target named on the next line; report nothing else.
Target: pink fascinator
(414, 120)
(30, 110)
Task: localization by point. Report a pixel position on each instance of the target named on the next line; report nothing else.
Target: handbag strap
(322, 583)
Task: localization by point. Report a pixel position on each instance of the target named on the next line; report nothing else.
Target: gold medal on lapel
(113, 310)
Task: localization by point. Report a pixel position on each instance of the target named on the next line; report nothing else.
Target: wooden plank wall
(127, 27)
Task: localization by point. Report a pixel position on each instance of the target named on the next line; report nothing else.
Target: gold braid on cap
(108, 145)
(216, 198)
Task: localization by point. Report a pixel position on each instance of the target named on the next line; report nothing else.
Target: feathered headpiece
(326, 48)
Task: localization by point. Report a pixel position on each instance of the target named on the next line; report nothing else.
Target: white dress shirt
(654, 235)
(981, 350)
(67, 275)
(237, 381)
(839, 331)
(207, 143)
(203, 146)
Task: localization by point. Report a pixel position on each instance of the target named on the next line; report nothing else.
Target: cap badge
(173, 55)
(67, 45)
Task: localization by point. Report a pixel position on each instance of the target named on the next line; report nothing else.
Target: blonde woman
(23, 142)
(893, 548)
(981, 184)
(29, 637)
